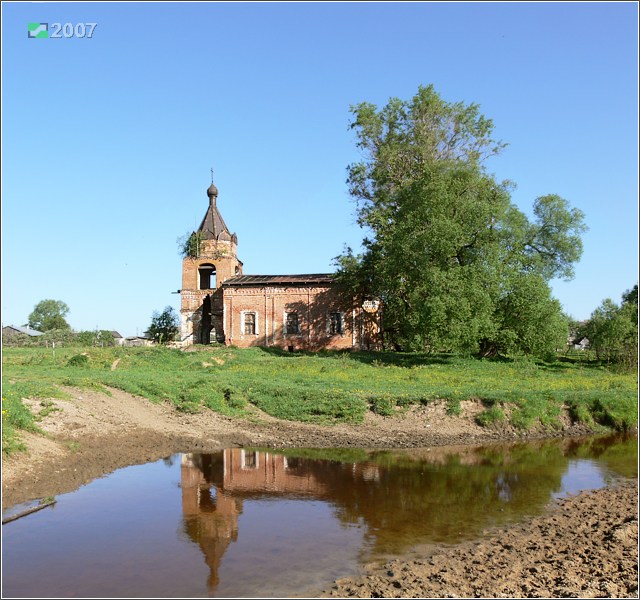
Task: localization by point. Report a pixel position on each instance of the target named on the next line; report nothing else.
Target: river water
(265, 523)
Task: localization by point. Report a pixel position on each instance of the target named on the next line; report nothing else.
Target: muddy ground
(584, 547)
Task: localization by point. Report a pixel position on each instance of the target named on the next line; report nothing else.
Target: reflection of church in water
(395, 499)
(214, 487)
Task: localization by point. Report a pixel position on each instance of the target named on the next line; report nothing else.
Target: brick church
(294, 312)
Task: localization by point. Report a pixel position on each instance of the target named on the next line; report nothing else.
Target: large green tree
(48, 315)
(164, 325)
(457, 264)
(612, 329)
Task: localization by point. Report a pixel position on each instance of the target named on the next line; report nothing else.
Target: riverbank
(327, 388)
(585, 546)
(89, 434)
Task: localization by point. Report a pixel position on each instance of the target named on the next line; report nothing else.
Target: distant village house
(137, 340)
(15, 333)
(117, 338)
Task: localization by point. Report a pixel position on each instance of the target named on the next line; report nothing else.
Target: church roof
(213, 226)
(260, 280)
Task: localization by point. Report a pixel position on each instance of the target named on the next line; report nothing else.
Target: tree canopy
(164, 325)
(612, 330)
(48, 315)
(99, 337)
(458, 266)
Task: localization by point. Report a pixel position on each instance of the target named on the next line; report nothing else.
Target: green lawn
(321, 388)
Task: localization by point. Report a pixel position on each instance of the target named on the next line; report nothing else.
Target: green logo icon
(38, 30)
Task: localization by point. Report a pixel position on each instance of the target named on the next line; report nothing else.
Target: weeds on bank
(48, 407)
(73, 446)
(327, 387)
(17, 416)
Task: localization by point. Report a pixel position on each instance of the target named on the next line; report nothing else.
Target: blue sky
(107, 142)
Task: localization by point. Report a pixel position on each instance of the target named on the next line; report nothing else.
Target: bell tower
(210, 259)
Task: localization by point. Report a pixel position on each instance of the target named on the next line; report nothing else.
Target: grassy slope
(320, 388)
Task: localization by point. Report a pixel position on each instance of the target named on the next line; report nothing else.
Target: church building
(219, 303)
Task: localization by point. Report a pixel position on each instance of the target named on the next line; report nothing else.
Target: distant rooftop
(25, 330)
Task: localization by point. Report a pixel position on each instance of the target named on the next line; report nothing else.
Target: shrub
(453, 407)
(78, 360)
(382, 405)
(490, 416)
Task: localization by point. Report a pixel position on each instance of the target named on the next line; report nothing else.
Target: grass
(326, 387)
(16, 416)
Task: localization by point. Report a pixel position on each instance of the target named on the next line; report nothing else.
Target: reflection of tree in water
(618, 451)
(420, 500)
(417, 501)
(400, 498)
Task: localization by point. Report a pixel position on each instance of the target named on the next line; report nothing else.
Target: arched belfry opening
(207, 277)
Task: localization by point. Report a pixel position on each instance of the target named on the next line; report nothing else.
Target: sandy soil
(585, 547)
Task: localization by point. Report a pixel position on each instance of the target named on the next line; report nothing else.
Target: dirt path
(588, 547)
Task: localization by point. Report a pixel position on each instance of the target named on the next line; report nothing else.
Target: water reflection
(260, 523)
(396, 499)
(214, 487)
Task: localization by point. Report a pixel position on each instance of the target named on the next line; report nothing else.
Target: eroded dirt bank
(92, 434)
(585, 546)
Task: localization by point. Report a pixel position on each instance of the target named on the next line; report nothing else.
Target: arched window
(207, 277)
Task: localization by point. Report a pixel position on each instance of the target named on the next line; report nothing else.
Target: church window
(248, 323)
(292, 323)
(336, 323)
(249, 327)
(248, 459)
